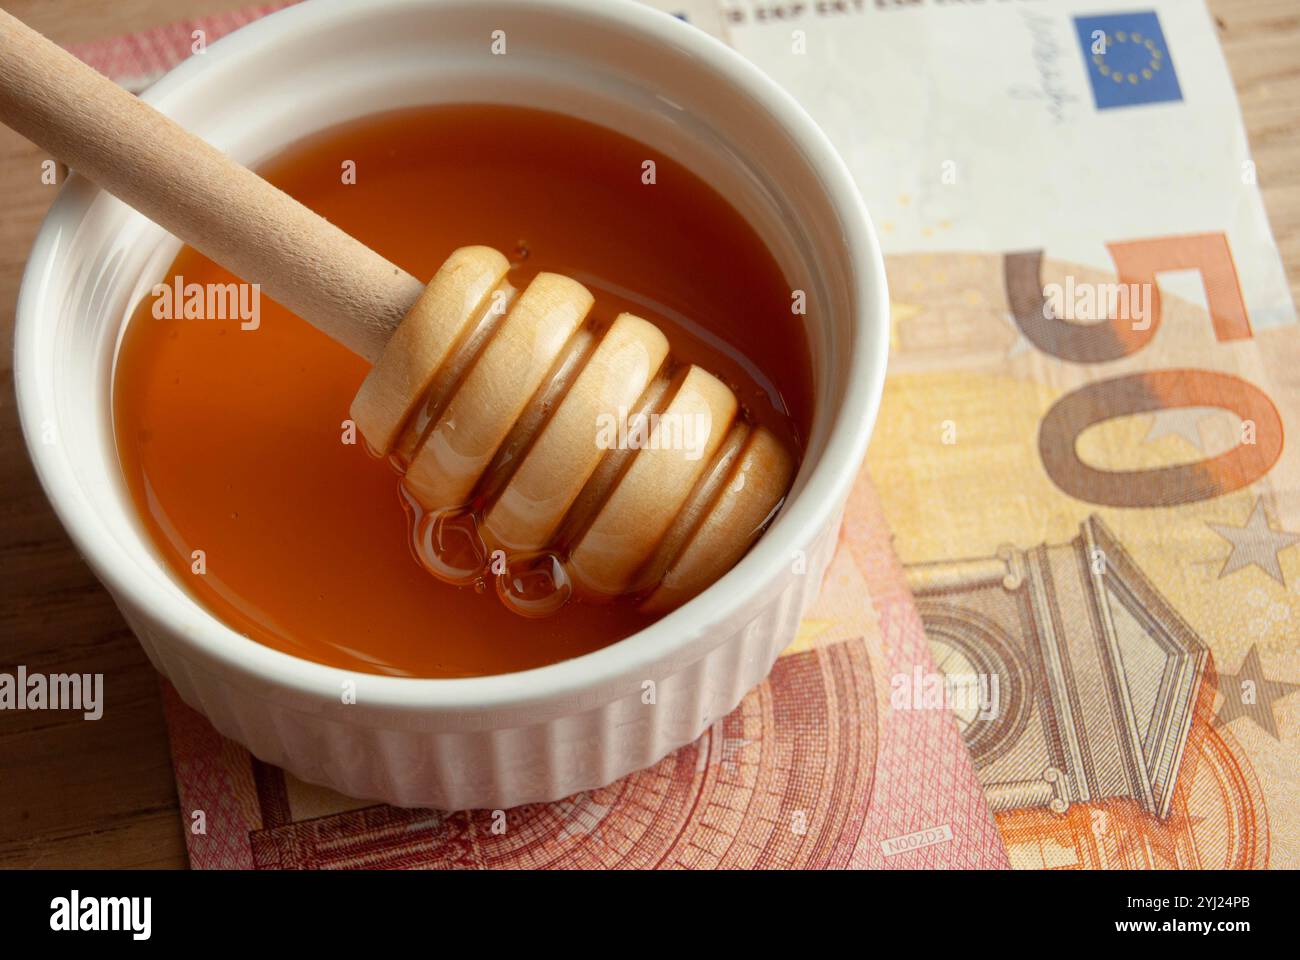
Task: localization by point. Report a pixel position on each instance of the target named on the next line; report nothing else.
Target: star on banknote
(1182, 422)
(1256, 543)
(1250, 684)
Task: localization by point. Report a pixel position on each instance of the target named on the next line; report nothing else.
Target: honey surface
(231, 440)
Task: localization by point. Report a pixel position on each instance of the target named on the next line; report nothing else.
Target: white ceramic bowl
(540, 734)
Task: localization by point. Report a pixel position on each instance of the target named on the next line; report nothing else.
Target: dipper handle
(199, 194)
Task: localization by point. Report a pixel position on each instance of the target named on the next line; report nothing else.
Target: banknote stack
(1062, 628)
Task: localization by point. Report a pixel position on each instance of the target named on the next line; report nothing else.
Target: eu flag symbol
(1128, 60)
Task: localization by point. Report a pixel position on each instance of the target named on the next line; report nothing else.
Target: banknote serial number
(1189, 903)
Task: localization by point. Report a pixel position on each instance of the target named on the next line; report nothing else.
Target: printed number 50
(1138, 262)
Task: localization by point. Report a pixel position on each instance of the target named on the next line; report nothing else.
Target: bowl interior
(326, 62)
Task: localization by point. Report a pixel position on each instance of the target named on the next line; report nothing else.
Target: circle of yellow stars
(1154, 57)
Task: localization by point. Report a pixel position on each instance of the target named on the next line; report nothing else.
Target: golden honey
(233, 436)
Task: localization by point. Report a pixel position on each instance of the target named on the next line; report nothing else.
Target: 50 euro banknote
(1082, 449)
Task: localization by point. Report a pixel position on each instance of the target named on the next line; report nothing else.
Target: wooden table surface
(101, 794)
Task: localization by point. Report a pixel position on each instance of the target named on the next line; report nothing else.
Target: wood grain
(102, 794)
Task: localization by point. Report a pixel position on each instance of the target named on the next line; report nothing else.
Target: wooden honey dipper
(488, 399)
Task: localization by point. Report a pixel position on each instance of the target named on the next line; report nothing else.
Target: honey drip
(474, 516)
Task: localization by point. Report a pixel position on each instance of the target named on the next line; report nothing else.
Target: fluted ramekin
(539, 734)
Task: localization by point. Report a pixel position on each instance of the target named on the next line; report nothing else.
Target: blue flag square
(1128, 60)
